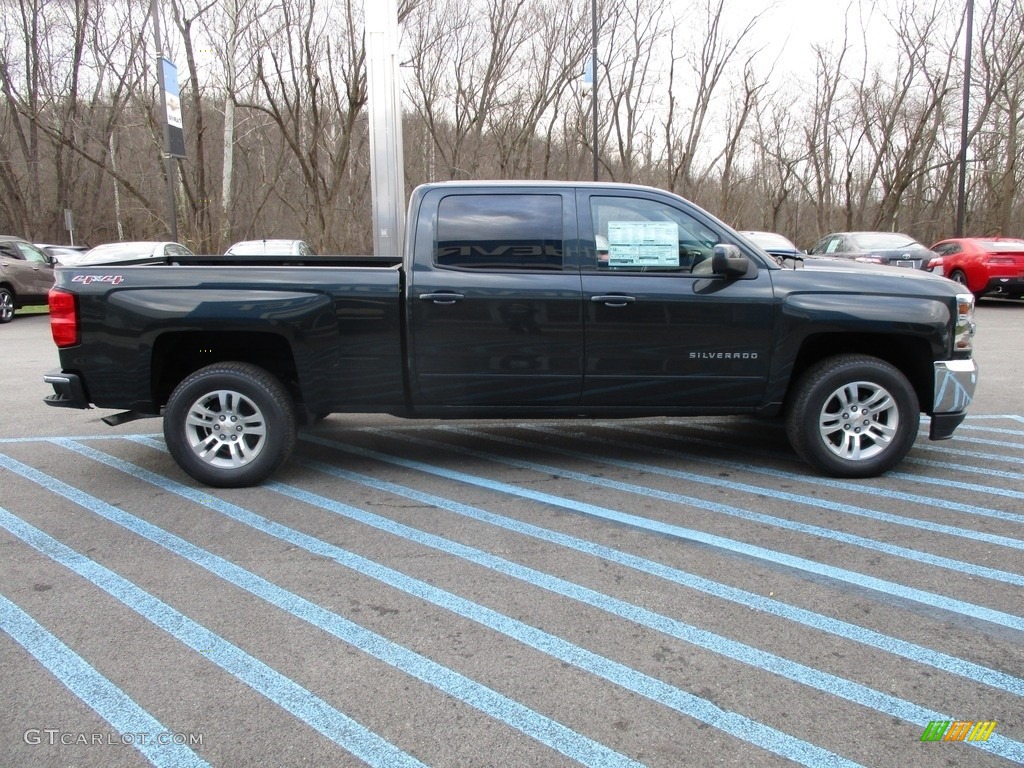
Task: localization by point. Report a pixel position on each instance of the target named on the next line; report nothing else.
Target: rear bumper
(68, 391)
(955, 381)
(1004, 285)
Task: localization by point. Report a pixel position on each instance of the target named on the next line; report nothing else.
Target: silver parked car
(138, 251)
(274, 247)
(26, 276)
(772, 242)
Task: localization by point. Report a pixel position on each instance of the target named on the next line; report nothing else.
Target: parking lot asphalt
(645, 592)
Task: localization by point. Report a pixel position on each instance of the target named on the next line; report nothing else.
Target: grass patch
(40, 310)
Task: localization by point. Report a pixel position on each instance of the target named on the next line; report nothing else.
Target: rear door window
(500, 232)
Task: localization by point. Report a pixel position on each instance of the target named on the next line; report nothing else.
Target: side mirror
(729, 261)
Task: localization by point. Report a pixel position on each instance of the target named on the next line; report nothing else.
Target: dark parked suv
(26, 275)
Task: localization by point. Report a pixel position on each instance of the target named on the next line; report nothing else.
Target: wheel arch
(911, 356)
(178, 354)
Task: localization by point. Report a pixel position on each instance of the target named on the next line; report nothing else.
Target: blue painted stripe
(823, 482)
(107, 436)
(911, 651)
(686, 703)
(102, 696)
(945, 482)
(871, 638)
(290, 696)
(811, 501)
(689, 534)
(799, 673)
(961, 455)
(543, 729)
(1001, 416)
(757, 517)
(961, 468)
(996, 430)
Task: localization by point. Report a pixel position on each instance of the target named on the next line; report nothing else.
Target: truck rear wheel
(853, 416)
(230, 425)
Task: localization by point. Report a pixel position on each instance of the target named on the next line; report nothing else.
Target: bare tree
(707, 55)
(312, 83)
(996, 134)
(462, 62)
(635, 30)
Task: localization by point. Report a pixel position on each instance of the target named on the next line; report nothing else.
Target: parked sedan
(272, 248)
(891, 248)
(136, 252)
(986, 265)
(773, 243)
(26, 276)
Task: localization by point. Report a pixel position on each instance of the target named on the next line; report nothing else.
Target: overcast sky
(802, 24)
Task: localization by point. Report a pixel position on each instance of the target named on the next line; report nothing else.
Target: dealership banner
(175, 135)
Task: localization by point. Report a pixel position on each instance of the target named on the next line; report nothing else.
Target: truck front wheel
(230, 425)
(853, 416)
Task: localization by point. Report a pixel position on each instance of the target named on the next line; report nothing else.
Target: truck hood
(829, 275)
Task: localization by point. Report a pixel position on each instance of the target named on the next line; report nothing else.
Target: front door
(660, 329)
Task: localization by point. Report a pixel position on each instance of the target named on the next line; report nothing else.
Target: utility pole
(172, 210)
(593, 84)
(961, 195)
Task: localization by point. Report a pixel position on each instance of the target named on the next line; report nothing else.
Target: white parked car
(271, 248)
(136, 251)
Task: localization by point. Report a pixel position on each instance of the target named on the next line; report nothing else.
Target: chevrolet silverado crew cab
(513, 300)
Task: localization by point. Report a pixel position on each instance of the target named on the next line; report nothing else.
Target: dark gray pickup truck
(519, 299)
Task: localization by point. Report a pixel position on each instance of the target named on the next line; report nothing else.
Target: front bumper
(68, 391)
(955, 381)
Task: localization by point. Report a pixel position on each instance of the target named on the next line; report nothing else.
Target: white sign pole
(387, 161)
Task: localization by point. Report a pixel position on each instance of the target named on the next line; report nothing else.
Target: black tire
(230, 425)
(827, 425)
(6, 306)
(958, 276)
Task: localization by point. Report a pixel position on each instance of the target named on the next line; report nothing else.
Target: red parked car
(986, 265)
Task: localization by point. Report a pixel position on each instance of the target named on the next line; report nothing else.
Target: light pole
(172, 212)
(961, 203)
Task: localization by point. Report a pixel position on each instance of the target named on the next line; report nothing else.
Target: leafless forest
(692, 97)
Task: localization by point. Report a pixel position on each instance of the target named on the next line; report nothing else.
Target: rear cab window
(503, 232)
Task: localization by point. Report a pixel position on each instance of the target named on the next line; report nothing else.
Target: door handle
(442, 298)
(613, 300)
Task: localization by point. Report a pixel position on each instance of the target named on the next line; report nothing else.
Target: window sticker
(643, 244)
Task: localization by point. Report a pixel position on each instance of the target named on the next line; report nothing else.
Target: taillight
(63, 317)
(937, 265)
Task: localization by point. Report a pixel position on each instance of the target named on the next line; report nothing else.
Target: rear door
(659, 328)
(494, 305)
